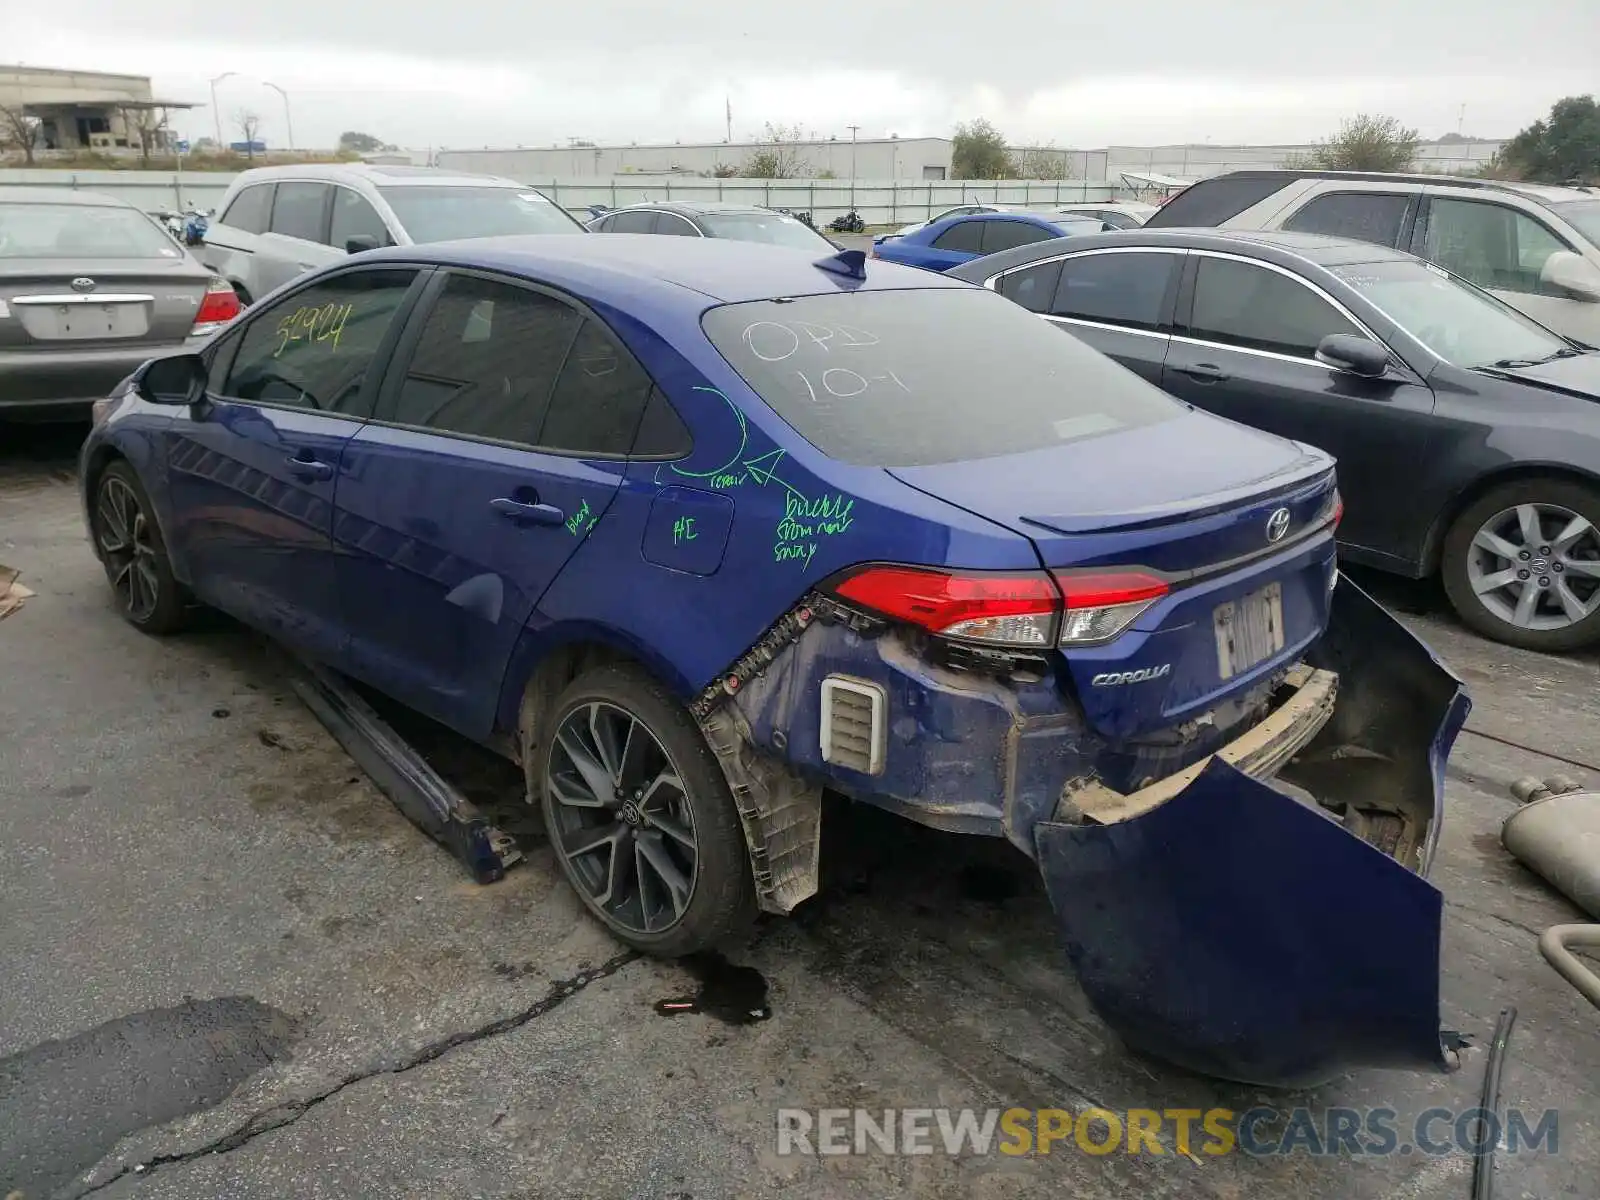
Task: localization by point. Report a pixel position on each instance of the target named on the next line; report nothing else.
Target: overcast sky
(1073, 74)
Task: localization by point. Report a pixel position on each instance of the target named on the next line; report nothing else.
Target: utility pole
(852, 129)
(215, 115)
(727, 108)
(1461, 120)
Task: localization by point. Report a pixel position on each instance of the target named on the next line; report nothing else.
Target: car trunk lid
(67, 303)
(1235, 546)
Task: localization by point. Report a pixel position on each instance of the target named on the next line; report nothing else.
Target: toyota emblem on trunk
(1278, 525)
(83, 284)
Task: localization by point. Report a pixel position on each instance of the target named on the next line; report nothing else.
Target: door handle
(528, 512)
(310, 468)
(1204, 372)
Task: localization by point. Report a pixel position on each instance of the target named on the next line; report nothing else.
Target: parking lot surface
(233, 969)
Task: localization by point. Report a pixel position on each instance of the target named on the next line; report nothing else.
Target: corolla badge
(1278, 525)
(83, 284)
(1142, 675)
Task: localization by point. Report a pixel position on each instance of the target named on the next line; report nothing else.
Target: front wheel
(640, 815)
(129, 543)
(1522, 564)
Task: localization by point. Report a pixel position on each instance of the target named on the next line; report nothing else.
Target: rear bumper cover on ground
(1244, 933)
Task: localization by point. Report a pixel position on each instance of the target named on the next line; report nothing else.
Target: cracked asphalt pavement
(231, 968)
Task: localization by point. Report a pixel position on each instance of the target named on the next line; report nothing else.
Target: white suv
(278, 222)
(1536, 247)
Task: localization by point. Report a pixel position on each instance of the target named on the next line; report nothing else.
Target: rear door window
(632, 222)
(964, 236)
(354, 216)
(1032, 287)
(927, 375)
(300, 211)
(1116, 289)
(1242, 304)
(674, 225)
(1361, 216)
(250, 209)
(487, 361)
(1005, 235)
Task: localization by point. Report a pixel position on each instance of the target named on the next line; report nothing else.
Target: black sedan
(713, 219)
(1467, 436)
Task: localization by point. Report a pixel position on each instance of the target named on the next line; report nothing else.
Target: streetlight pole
(852, 129)
(287, 119)
(216, 114)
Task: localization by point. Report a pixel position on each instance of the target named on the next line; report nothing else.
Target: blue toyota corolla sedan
(949, 242)
(695, 530)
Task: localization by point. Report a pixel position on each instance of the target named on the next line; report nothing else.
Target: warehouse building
(842, 158)
(84, 110)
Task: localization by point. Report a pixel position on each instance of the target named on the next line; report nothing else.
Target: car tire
(128, 541)
(1522, 533)
(661, 861)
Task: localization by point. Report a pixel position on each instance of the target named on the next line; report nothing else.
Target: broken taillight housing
(221, 305)
(1100, 604)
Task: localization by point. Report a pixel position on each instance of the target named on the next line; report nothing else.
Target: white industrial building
(910, 159)
(868, 158)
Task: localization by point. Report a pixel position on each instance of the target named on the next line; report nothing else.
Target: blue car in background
(951, 241)
(696, 530)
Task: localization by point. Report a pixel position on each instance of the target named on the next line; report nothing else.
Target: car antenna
(847, 262)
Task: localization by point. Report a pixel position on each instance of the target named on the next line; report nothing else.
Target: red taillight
(1338, 509)
(1101, 604)
(221, 305)
(998, 607)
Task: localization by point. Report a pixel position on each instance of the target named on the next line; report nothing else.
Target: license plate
(1249, 630)
(83, 322)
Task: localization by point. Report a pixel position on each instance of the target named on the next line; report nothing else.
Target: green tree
(978, 151)
(361, 143)
(1563, 147)
(1038, 162)
(1364, 143)
(779, 155)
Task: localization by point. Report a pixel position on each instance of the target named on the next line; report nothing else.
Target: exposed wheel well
(549, 679)
(1433, 548)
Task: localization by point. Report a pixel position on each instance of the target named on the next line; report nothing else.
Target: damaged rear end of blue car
(1125, 648)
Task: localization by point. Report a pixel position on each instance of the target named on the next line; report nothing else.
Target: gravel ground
(215, 927)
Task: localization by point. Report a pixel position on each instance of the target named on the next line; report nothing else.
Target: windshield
(80, 231)
(443, 214)
(1584, 215)
(774, 229)
(1455, 320)
(927, 375)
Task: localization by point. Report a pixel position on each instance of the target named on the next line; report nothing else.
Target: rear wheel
(640, 816)
(1522, 564)
(129, 544)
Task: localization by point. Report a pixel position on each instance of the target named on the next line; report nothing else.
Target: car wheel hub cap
(1536, 566)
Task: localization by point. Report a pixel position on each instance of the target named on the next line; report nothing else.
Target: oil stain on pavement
(65, 1104)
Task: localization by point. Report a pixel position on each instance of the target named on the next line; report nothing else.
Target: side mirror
(179, 379)
(1573, 274)
(1358, 355)
(360, 242)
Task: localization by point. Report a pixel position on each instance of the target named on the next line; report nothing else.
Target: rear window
(927, 375)
(774, 229)
(1212, 201)
(80, 231)
(444, 213)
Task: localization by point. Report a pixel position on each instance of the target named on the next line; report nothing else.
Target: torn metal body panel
(415, 788)
(1246, 896)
